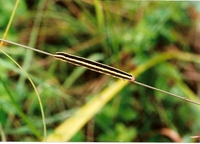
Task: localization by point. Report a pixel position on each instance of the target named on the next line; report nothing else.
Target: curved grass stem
(39, 100)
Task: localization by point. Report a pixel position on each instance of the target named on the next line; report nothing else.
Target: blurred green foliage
(123, 34)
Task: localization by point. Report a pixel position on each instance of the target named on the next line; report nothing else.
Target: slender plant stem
(9, 23)
(168, 93)
(132, 79)
(27, 47)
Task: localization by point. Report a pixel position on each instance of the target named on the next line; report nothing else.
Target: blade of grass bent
(39, 100)
(66, 130)
(1, 43)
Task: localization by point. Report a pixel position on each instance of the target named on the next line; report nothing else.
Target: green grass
(132, 36)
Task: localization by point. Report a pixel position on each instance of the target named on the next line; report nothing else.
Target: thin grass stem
(101, 68)
(38, 96)
(10, 21)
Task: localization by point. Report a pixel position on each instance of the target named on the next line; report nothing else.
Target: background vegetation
(123, 34)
